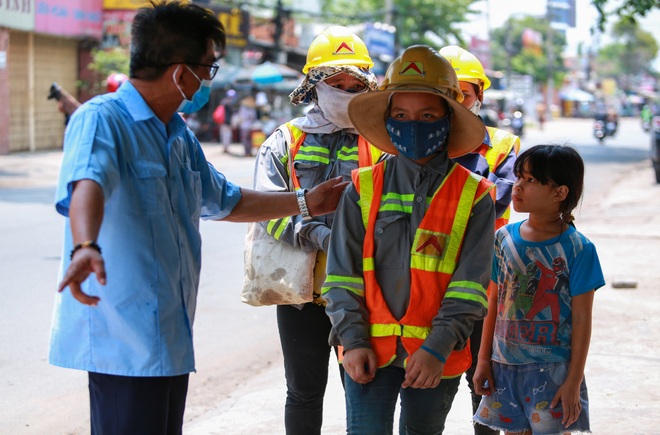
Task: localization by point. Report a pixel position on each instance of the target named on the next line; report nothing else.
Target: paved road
(239, 386)
(621, 215)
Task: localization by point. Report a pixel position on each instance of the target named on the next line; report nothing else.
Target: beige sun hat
(419, 69)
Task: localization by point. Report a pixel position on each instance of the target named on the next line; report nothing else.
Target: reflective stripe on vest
(501, 144)
(434, 255)
(367, 155)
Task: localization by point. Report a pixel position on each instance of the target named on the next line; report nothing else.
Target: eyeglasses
(213, 69)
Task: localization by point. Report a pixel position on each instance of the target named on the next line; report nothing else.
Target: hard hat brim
(367, 113)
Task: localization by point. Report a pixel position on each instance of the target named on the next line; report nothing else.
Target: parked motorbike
(655, 147)
(65, 102)
(517, 123)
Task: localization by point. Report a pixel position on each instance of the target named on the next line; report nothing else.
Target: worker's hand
(323, 198)
(360, 364)
(423, 370)
(84, 262)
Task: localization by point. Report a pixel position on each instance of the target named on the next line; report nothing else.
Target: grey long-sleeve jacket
(320, 158)
(395, 231)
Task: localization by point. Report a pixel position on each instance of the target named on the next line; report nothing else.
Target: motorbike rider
(493, 159)
(646, 114)
(322, 144)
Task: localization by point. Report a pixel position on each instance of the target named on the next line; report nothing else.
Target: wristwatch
(302, 204)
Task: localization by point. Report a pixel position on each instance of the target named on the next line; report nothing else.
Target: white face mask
(476, 107)
(333, 103)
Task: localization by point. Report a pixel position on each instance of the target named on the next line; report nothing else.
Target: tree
(104, 63)
(510, 54)
(626, 9)
(113, 60)
(413, 18)
(630, 57)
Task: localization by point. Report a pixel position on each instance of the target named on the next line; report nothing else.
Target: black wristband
(87, 244)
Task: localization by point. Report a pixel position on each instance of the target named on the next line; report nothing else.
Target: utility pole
(281, 15)
(550, 89)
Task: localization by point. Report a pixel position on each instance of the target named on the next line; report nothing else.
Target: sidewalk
(622, 367)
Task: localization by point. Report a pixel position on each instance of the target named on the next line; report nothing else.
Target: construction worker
(411, 251)
(323, 144)
(493, 159)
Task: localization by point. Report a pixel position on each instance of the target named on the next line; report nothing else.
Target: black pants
(304, 337)
(475, 344)
(137, 405)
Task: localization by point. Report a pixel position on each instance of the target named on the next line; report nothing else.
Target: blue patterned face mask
(419, 139)
(199, 98)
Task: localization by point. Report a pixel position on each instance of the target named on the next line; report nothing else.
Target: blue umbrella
(266, 74)
(226, 76)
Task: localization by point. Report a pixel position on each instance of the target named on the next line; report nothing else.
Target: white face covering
(476, 107)
(333, 103)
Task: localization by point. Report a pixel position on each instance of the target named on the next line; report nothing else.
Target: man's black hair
(168, 32)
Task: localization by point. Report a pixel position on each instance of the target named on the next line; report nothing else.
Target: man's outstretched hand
(323, 198)
(85, 261)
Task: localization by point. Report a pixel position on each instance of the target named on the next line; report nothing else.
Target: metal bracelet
(302, 204)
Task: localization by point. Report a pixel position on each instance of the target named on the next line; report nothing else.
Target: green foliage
(113, 60)
(413, 18)
(626, 9)
(631, 54)
(509, 54)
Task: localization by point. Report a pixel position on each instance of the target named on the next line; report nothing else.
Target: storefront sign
(117, 28)
(379, 39)
(124, 4)
(17, 14)
(69, 17)
(237, 25)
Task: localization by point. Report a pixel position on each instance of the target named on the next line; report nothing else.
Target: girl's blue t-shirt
(535, 285)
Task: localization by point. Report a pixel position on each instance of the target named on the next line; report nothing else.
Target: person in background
(133, 185)
(410, 251)
(323, 144)
(493, 159)
(247, 116)
(538, 329)
(226, 130)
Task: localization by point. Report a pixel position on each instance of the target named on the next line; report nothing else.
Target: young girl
(536, 335)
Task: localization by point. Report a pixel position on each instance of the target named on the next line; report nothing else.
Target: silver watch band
(302, 204)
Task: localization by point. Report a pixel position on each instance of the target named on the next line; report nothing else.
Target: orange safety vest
(502, 142)
(367, 156)
(434, 256)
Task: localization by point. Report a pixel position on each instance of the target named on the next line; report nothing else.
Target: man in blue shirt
(134, 181)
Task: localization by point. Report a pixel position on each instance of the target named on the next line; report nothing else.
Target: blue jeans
(370, 407)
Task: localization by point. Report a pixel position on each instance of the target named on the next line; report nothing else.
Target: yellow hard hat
(467, 66)
(337, 46)
(419, 69)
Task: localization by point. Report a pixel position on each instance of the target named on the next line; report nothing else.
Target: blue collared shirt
(156, 184)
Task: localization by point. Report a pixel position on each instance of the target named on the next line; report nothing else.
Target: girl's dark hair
(558, 164)
(169, 32)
